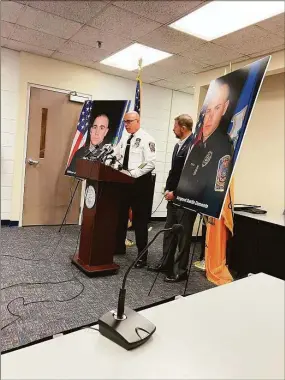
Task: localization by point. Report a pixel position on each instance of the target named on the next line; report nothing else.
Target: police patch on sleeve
(152, 146)
(222, 173)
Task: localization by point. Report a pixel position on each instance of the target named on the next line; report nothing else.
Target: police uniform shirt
(142, 154)
(207, 172)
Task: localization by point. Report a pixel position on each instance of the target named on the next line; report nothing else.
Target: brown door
(52, 125)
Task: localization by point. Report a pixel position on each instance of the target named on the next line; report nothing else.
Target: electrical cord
(192, 256)
(158, 205)
(41, 301)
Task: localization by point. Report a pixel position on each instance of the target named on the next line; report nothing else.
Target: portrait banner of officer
(98, 124)
(219, 133)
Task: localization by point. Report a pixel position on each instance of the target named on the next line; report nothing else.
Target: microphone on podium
(126, 327)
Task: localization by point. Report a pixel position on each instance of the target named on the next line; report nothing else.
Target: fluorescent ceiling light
(219, 18)
(127, 59)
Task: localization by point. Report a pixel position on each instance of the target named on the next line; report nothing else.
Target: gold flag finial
(140, 68)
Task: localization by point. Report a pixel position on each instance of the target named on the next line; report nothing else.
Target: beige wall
(259, 174)
(70, 77)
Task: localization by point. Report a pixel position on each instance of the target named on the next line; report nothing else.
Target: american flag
(138, 96)
(81, 130)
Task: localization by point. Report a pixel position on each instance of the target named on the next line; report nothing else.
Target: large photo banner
(100, 123)
(219, 133)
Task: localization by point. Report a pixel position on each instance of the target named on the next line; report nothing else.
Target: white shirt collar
(181, 142)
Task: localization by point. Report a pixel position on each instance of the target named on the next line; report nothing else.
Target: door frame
(54, 89)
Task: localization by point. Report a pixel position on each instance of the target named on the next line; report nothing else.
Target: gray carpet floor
(42, 305)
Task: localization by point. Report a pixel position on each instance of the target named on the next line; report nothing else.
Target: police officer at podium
(136, 155)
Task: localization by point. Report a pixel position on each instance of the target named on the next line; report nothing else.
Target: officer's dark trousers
(176, 262)
(135, 196)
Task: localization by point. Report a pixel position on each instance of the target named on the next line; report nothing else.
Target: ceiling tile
(90, 36)
(160, 11)
(170, 40)
(120, 22)
(34, 37)
(4, 41)
(181, 64)
(6, 29)
(267, 51)
(250, 40)
(80, 11)
(184, 80)
(166, 84)
(115, 71)
(10, 10)
(82, 51)
(274, 24)
(71, 59)
(236, 39)
(16, 45)
(212, 54)
(48, 23)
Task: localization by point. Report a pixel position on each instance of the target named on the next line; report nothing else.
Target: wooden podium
(100, 216)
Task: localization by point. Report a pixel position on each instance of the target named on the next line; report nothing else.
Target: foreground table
(235, 331)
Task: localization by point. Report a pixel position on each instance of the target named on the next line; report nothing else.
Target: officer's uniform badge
(222, 172)
(137, 143)
(207, 158)
(152, 146)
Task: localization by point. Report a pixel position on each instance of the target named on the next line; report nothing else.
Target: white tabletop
(235, 331)
(278, 219)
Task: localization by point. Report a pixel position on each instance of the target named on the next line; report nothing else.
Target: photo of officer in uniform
(219, 132)
(98, 125)
(209, 163)
(97, 133)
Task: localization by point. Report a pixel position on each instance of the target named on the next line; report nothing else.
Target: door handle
(32, 162)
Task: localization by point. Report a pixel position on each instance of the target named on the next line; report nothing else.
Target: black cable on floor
(192, 256)
(43, 283)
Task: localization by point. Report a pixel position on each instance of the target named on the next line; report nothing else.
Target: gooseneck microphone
(126, 327)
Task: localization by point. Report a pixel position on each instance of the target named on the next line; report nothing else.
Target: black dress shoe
(176, 277)
(157, 268)
(141, 264)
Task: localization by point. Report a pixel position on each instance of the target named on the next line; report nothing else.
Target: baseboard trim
(9, 223)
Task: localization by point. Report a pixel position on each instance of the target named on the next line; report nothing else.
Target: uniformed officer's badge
(137, 143)
(222, 173)
(152, 146)
(207, 158)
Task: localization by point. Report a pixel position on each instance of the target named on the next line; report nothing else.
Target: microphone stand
(69, 205)
(78, 181)
(126, 327)
(122, 294)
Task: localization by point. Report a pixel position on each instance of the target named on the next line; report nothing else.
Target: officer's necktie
(127, 153)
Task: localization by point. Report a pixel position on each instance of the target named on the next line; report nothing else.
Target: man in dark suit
(176, 265)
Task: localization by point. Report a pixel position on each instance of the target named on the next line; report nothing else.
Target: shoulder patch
(152, 146)
(222, 173)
